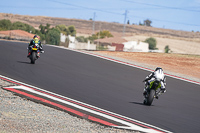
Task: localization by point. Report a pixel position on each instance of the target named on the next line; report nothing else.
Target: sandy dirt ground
(184, 65)
(176, 45)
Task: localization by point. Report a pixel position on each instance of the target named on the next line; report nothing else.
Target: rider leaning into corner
(32, 42)
(159, 75)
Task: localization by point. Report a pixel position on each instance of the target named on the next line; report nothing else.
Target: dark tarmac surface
(104, 84)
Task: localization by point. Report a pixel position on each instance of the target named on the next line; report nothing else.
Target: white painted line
(130, 126)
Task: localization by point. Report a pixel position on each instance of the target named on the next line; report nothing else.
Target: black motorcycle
(34, 52)
(153, 91)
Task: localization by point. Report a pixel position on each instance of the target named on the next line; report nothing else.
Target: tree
(22, 26)
(81, 39)
(93, 37)
(128, 22)
(42, 29)
(72, 30)
(101, 34)
(5, 24)
(104, 33)
(147, 22)
(152, 43)
(42, 36)
(47, 27)
(167, 49)
(18, 25)
(63, 29)
(53, 36)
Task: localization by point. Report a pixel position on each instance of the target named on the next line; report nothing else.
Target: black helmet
(35, 36)
(158, 68)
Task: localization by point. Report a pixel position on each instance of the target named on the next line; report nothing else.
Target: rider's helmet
(159, 75)
(157, 68)
(35, 36)
(36, 40)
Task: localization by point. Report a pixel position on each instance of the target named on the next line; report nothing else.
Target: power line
(177, 8)
(77, 7)
(88, 8)
(165, 21)
(94, 9)
(39, 8)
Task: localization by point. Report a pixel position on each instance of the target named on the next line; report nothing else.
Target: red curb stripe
(113, 115)
(63, 107)
(86, 106)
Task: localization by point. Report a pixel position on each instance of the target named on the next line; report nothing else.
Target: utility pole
(93, 27)
(99, 32)
(125, 22)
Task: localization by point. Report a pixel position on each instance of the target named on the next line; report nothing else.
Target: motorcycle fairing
(151, 84)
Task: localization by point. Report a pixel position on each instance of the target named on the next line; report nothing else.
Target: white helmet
(159, 75)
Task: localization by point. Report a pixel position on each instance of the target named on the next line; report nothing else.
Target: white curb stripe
(131, 126)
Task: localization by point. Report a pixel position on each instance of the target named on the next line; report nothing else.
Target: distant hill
(17, 34)
(86, 26)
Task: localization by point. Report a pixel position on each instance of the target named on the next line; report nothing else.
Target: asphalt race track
(108, 85)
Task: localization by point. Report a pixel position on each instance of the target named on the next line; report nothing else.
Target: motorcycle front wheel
(33, 57)
(148, 100)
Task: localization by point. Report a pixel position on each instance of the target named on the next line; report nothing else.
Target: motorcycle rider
(159, 75)
(32, 42)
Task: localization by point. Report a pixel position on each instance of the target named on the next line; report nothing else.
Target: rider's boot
(145, 88)
(38, 54)
(145, 92)
(29, 54)
(163, 90)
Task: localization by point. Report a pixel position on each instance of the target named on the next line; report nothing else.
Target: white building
(62, 37)
(134, 46)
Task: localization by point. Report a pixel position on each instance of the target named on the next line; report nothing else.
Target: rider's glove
(163, 90)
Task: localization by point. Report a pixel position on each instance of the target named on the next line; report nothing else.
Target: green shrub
(167, 49)
(152, 43)
(53, 36)
(81, 39)
(72, 30)
(22, 26)
(5, 24)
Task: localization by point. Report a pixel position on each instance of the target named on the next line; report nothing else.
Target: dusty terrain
(86, 26)
(18, 34)
(176, 45)
(187, 66)
(183, 42)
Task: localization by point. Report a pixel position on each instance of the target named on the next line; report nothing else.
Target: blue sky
(168, 14)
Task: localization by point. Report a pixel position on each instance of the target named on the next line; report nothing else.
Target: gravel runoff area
(18, 114)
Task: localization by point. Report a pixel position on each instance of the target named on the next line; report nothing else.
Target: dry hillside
(178, 41)
(85, 26)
